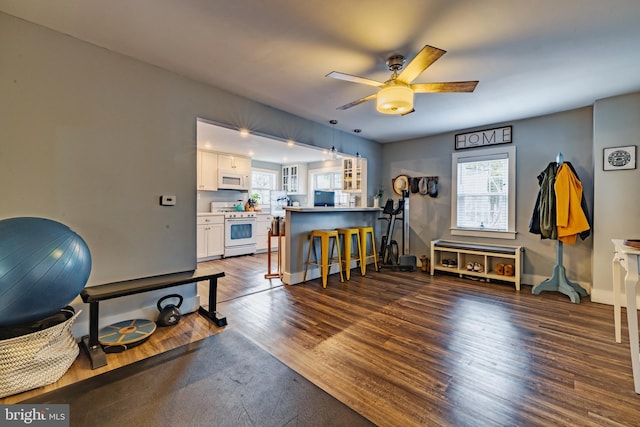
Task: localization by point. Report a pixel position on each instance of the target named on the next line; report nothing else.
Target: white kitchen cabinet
(210, 236)
(234, 163)
(262, 233)
(354, 175)
(207, 167)
(294, 178)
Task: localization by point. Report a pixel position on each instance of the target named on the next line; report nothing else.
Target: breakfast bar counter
(299, 221)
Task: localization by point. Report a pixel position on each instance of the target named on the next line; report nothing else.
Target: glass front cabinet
(294, 178)
(354, 174)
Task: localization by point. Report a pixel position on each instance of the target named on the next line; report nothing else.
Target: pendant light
(358, 157)
(333, 122)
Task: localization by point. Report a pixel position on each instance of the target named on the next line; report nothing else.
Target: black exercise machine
(389, 253)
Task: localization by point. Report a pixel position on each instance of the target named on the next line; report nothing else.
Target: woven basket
(37, 359)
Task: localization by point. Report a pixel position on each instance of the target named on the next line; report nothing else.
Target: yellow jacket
(570, 218)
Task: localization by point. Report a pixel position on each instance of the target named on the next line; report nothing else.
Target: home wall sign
(617, 158)
(482, 138)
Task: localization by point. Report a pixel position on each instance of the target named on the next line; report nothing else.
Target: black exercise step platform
(94, 294)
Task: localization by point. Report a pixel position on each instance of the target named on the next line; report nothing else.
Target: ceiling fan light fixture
(394, 98)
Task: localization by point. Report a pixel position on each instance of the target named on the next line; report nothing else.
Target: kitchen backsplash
(204, 198)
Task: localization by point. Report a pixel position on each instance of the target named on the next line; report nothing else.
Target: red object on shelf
(634, 243)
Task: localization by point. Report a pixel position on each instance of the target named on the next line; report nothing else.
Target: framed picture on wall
(618, 158)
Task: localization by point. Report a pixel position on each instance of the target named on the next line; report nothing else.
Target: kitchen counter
(299, 221)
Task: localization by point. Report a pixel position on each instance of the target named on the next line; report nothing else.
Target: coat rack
(558, 281)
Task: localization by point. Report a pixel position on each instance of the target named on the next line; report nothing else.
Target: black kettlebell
(169, 314)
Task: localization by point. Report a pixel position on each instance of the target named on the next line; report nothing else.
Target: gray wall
(617, 200)
(537, 141)
(92, 138)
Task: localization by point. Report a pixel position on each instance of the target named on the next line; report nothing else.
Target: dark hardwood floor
(405, 348)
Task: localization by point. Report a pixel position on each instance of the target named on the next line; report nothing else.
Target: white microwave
(232, 180)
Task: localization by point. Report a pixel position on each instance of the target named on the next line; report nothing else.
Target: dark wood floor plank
(406, 348)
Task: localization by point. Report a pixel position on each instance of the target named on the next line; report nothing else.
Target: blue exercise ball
(43, 266)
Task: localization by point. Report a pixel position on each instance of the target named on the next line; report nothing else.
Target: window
(330, 180)
(483, 193)
(262, 182)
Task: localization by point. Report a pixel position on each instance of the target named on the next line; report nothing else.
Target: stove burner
(229, 210)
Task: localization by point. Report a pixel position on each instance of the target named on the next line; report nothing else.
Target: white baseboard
(600, 296)
(605, 296)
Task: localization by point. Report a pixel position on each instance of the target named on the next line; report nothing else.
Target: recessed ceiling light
(244, 133)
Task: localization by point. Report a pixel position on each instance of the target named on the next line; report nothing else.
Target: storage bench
(94, 294)
(489, 256)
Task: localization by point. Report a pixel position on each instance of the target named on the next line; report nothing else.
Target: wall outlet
(167, 200)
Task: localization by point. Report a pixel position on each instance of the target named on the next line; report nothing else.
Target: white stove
(239, 228)
(235, 214)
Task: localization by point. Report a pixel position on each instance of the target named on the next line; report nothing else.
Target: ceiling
(531, 57)
(267, 149)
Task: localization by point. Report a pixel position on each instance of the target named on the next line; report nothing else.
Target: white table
(627, 258)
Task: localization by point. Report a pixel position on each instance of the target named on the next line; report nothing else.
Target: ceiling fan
(396, 94)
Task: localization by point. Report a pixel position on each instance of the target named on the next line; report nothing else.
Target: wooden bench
(489, 256)
(94, 294)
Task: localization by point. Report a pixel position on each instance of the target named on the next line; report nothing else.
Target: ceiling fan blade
(359, 101)
(408, 112)
(427, 56)
(444, 87)
(353, 79)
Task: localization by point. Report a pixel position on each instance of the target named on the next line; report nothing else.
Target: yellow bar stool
(365, 255)
(347, 235)
(325, 237)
